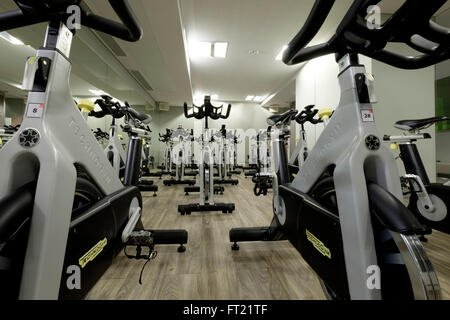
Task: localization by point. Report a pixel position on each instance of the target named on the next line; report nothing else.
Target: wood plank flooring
(209, 269)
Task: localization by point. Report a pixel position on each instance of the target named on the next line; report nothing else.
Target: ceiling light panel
(98, 92)
(259, 99)
(208, 49)
(220, 49)
(201, 49)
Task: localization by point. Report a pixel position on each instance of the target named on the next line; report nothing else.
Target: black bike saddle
(419, 123)
(280, 118)
(143, 117)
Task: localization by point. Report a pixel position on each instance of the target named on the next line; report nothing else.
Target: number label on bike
(34, 110)
(367, 116)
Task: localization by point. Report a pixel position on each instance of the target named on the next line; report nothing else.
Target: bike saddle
(419, 123)
(143, 117)
(281, 118)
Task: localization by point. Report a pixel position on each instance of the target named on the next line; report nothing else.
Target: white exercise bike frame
(62, 138)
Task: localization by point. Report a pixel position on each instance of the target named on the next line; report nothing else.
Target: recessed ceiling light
(208, 49)
(201, 49)
(249, 98)
(98, 92)
(5, 35)
(280, 55)
(220, 49)
(259, 99)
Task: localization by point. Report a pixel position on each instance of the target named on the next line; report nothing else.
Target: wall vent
(149, 108)
(163, 106)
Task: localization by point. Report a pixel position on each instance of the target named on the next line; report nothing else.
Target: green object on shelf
(443, 102)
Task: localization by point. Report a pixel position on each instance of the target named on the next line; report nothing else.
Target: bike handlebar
(108, 108)
(306, 115)
(411, 24)
(296, 50)
(207, 110)
(33, 12)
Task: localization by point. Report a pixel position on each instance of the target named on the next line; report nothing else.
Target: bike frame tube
(342, 143)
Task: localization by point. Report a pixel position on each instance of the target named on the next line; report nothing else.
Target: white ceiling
(89, 71)
(263, 25)
(161, 56)
(94, 66)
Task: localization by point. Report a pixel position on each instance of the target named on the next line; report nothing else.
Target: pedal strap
(150, 257)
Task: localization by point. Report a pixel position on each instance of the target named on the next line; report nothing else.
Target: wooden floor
(209, 269)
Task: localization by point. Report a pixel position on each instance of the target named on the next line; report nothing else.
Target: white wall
(443, 68)
(2, 110)
(401, 95)
(443, 146)
(317, 84)
(406, 94)
(443, 71)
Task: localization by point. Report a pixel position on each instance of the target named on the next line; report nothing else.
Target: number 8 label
(35, 110)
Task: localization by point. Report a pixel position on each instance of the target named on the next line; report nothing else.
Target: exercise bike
(7, 132)
(430, 202)
(222, 158)
(114, 151)
(181, 154)
(135, 129)
(300, 153)
(147, 159)
(343, 211)
(263, 178)
(138, 133)
(251, 169)
(167, 166)
(64, 213)
(101, 136)
(231, 152)
(206, 187)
